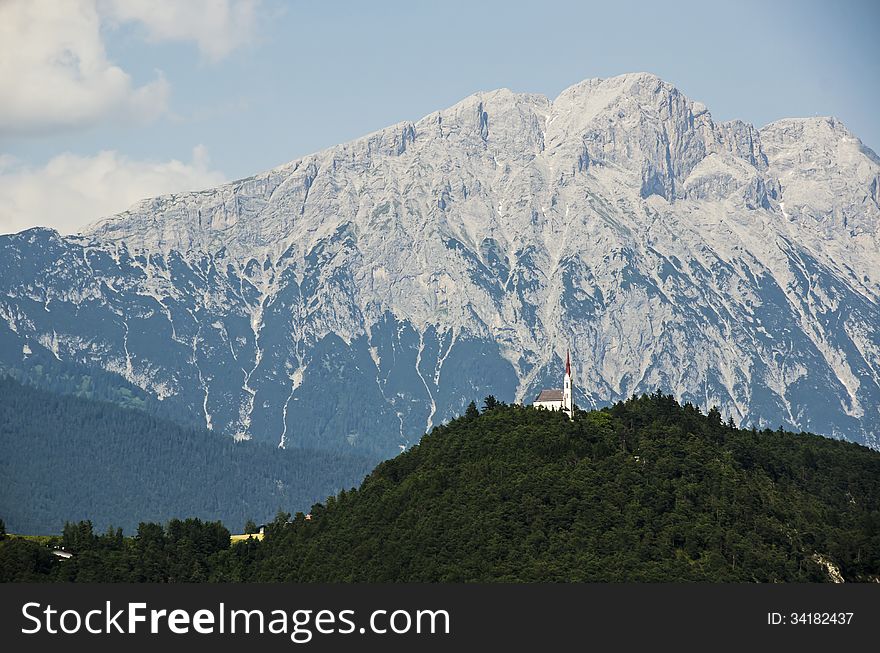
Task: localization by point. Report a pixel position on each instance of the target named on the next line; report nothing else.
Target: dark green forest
(64, 457)
(646, 490)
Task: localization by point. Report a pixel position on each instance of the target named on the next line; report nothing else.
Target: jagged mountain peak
(636, 123)
(811, 125)
(499, 127)
(641, 86)
(825, 134)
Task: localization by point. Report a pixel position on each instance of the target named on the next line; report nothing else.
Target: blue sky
(107, 101)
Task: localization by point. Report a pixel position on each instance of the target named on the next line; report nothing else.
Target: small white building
(556, 398)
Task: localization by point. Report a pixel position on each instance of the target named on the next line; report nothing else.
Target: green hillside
(644, 491)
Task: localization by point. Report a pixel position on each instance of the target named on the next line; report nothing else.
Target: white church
(556, 398)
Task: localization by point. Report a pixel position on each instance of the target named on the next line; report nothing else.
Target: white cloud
(55, 72)
(71, 191)
(217, 26)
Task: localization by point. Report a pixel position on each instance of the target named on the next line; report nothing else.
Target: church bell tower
(567, 389)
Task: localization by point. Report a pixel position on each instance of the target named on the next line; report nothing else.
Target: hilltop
(647, 490)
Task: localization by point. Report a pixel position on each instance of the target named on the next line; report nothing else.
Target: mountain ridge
(401, 131)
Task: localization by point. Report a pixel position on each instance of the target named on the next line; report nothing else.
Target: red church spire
(567, 363)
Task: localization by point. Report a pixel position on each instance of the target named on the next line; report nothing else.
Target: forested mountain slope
(646, 490)
(69, 458)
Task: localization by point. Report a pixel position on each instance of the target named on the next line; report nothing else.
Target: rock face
(357, 296)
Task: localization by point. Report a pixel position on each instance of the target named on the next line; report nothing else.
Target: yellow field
(241, 538)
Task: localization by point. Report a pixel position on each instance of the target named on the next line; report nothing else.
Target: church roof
(550, 395)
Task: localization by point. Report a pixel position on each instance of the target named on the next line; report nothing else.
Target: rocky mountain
(357, 296)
